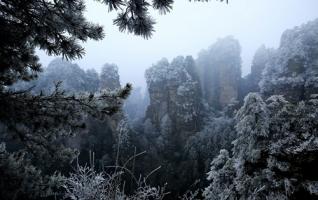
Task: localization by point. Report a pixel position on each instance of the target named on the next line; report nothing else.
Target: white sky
(190, 27)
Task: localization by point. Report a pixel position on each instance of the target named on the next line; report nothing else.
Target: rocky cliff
(250, 83)
(109, 77)
(220, 72)
(293, 70)
(174, 92)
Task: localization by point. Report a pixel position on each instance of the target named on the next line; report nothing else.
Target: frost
(294, 64)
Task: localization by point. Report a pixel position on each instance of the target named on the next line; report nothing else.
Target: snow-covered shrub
(86, 184)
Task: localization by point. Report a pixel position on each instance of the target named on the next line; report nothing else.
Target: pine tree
(221, 174)
(250, 148)
(275, 153)
(36, 123)
(245, 173)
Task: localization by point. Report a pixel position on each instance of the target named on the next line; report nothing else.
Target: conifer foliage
(58, 27)
(274, 154)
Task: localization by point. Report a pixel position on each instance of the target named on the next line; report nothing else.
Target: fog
(197, 130)
(190, 27)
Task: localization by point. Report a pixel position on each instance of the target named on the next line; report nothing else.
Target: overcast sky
(190, 27)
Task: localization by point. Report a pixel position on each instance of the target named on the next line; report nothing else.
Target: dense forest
(200, 130)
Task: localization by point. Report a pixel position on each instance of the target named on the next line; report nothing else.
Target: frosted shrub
(87, 184)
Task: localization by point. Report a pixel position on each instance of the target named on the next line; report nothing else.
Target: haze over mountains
(190, 27)
(193, 108)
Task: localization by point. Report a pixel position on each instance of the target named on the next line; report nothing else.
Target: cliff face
(293, 70)
(261, 58)
(175, 113)
(250, 83)
(174, 92)
(220, 72)
(178, 90)
(181, 97)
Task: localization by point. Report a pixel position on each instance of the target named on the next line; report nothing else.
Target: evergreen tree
(293, 149)
(57, 27)
(250, 148)
(274, 155)
(222, 174)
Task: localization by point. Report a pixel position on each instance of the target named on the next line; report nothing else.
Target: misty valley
(199, 129)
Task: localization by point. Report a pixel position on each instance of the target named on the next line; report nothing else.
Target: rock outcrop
(293, 70)
(173, 116)
(175, 94)
(109, 77)
(220, 72)
(250, 83)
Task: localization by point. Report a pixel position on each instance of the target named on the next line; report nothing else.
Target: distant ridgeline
(189, 111)
(73, 78)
